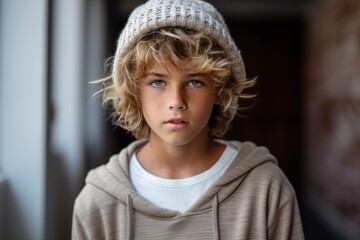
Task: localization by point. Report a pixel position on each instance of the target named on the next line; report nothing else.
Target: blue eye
(195, 84)
(157, 83)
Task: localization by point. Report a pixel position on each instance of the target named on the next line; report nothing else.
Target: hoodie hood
(114, 179)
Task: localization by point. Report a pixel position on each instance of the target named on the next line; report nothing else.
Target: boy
(177, 77)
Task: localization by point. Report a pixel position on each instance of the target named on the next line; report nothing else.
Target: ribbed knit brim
(190, 14)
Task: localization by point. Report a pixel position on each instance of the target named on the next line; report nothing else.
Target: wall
(23, 82)
(48, 53)
(333, 110)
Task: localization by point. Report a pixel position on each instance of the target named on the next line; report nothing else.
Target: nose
(177, 99)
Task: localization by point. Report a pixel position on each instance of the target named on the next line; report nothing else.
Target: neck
(172, 161)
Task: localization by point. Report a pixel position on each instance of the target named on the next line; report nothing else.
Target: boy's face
(177, 105)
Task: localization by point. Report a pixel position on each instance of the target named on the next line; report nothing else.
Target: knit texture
(190, 14)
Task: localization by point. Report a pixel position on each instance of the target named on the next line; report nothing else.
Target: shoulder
(272, 177)
(106, 184)
(92, 200)
(268, 188)
(260, 171)
(94, 211)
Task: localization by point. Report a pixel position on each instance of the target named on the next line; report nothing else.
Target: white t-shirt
(178, 194)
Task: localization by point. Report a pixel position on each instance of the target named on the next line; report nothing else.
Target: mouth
(176, 123)
(176, 120)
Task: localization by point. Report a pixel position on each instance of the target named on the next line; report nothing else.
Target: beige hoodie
(252, 200)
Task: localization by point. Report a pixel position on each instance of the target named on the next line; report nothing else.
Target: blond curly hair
(186, 49)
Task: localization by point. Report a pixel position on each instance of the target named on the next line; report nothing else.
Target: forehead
(167, 68)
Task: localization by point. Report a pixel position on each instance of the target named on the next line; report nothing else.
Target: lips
(176, 123)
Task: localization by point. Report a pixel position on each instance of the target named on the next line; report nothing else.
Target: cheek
(150, 108)
(150, 95)
(205, 105)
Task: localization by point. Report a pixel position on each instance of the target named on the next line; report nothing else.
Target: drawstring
(129, 217)
(215, 217)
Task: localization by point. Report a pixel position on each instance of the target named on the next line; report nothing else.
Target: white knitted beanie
(194, 15)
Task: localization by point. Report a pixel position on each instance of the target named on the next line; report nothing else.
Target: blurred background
(305, 53)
